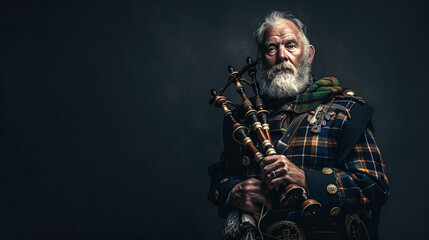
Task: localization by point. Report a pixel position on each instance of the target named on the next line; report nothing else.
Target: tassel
(232, 226)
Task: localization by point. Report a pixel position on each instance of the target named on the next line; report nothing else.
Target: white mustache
(284, 66)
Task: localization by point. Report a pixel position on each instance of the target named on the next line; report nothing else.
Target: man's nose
(282, 54)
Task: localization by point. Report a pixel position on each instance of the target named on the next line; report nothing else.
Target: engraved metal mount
(321, 116)
(285, 230)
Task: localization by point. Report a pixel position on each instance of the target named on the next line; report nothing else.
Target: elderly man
(332, 153)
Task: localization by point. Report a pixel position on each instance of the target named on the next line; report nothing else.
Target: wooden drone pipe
(239, 132)
(259, 105)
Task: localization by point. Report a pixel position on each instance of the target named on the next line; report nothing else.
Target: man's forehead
(285, 29)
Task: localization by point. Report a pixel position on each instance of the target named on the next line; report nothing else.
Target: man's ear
(311, 53)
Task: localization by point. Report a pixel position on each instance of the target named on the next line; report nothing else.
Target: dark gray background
(105, 128)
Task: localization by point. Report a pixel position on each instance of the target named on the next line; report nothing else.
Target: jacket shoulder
(351, 104)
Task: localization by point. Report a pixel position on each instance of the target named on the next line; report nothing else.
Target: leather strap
(283, 144)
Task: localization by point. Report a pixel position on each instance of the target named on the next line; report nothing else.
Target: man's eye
(290, 46)
(272, 49)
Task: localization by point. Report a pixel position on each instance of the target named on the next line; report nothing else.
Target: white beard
(284, 80)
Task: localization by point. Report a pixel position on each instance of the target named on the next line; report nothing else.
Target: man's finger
(252, 207)
(264, 200)
(269, 169)
(268, 160)
(277, 182)
(259, 190)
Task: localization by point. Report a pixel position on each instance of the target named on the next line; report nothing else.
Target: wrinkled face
(287, 58)
(283, 43)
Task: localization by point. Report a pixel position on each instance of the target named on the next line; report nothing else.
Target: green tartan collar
(317, 93)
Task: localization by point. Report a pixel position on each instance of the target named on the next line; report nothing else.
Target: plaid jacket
(343, 180)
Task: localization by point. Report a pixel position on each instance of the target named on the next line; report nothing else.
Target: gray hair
(272, 20)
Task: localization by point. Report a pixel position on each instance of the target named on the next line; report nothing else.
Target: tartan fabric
(319, 92)
(363, 183)
(360, 179)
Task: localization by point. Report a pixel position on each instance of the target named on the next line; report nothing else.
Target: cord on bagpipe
(292, 195)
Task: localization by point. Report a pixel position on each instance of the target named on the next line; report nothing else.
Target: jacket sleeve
(363, 183)
(358, 182)
(221, 185)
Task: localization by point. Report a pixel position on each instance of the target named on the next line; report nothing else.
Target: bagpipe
(293, 196)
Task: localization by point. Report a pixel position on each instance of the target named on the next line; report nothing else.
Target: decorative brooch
(321, 115)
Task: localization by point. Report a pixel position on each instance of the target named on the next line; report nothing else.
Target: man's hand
(277, 170)
(248, 195)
